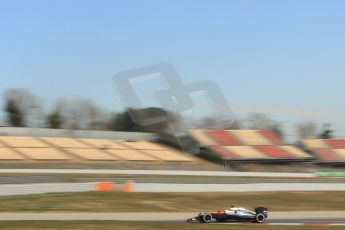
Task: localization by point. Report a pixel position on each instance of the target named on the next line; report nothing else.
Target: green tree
(23, 108)
(14, 115)
(326, 132)
(135, 120)
(123, 122)
(54, 120)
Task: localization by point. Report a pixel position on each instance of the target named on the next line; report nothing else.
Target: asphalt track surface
(275, 218)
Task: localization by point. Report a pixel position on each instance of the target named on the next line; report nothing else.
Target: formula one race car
(232, 215)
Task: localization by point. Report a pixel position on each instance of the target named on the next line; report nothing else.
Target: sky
(282, 58)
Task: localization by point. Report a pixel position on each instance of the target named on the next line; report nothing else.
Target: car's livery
(232, 215)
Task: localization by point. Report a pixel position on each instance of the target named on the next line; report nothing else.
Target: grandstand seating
(223, 137)
(103, 144)
(90, 154)
(336, 143)
(248, 145)
(168, 155)
(23, 142)
(340, 152)
(42, 154)
(295, 151)
(251, 137)
(315, 143)
(326, 155)
(246, 152)
(224, 153)
(203, 137)
(9, 154)
(24, 147)
(271, 137)
(273, 151)
(85, 149)
(60, 142)
(327, 150)
(130, 155)
(144, 145)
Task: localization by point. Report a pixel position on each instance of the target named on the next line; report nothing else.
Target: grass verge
(104, 225)
(172, 202)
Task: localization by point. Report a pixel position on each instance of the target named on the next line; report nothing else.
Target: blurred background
(279, 64)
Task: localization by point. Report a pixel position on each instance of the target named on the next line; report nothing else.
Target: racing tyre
(207, 218)
(260, 218)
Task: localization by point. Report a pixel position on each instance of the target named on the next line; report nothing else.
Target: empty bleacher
(315, 143)
(42, 154)
(223, 137)
(326, 150)
(168, 155)
(71, 149)
(251, 137)
(143, 145)
(23, 142)
(326, 155)
(9, 154)
(224, 153)
(103, 144)
(90, 154)
(130, 155)
(157, 151)
(246, 152)
(273, 151)
(24, 147)
(336, 143)
(203, 137)
(271, 137)
(340, 153)
(295, 151)
(61, 142)
(255, 145)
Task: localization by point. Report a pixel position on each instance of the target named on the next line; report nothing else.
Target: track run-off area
(275, 218)
(165, 181)
(41, 188)
(291, 218)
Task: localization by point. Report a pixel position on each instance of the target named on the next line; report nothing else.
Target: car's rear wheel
(260, 218)
(207, 218)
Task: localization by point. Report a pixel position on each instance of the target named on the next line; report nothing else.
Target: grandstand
(248, 145)
(85, 149)
(326, 150)
(26, 147)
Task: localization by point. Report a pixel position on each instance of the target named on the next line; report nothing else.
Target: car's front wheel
(207, 218)
(260, 218)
